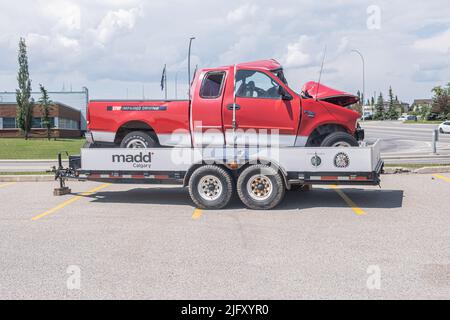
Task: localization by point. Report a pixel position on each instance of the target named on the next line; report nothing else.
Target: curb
(396, 170)
(27, 178)
(433, 170)
(423, 170)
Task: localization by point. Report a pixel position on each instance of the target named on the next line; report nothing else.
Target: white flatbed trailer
(260, 176)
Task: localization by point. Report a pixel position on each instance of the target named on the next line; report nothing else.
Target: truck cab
(245, 104)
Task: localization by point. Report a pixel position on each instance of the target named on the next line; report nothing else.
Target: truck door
(206, 111)
(262, 116)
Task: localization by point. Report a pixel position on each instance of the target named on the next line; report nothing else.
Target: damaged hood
(328, 94)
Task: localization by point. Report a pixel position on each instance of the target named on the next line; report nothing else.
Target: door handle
(230, 107)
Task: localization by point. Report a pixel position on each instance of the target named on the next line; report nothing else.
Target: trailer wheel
(211, 187)
(137, 140)
(260, 187)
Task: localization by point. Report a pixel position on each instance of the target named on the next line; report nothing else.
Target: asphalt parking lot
(139, 241)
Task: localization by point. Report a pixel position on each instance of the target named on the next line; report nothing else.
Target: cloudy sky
(118, 47)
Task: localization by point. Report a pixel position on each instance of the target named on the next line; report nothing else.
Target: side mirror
(284, 94)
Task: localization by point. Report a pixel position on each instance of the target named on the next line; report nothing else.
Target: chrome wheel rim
(259, 187)
(136, 144)
(210, 188)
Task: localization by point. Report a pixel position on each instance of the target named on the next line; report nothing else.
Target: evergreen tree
(46, 104)
(379, 108)
(23, 94)
(392, 113)
(359, 96)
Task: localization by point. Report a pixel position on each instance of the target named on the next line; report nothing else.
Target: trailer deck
(294, 166)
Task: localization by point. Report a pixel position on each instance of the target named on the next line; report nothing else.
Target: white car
(444, 127)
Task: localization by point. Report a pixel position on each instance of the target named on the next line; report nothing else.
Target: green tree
(392, 113)
(46, 105)
(379, 108)
(441, 100)
(23, 93)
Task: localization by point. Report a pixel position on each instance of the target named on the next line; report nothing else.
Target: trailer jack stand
(59, 175)
(61, 191)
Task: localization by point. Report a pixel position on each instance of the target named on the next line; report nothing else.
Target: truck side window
(212, 85)
(255, 84)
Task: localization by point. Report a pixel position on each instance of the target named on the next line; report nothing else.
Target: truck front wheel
(339, 139)
(260, 187)
(211, 187)
(138, 139)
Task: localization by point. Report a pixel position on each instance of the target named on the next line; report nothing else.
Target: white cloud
(66, 13)
(439, 43)
(125, 43)
(115, 22)
(243, 12)
(296, 55)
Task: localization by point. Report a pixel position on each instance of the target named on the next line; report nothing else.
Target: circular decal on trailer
(316, 161)
(341, 160)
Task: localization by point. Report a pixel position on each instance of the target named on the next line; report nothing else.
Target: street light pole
(364, 79)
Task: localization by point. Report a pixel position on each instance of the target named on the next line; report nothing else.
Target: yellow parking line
(197, 214)
(442, 177)
(349, 201)
(71, 200)
(7, 184)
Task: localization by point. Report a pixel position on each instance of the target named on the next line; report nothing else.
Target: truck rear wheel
(339, 139)
(260, 187)
(211, 187)
(137, 140)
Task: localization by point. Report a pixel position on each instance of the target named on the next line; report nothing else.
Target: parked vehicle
(230, 105)
(444, 127)
(408, 118)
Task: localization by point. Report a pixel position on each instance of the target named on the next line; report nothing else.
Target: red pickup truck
(230, 105)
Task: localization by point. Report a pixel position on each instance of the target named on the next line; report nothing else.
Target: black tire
(441, 130)
(339, 139)
(220, 176)
(138, 139)
(272, 197)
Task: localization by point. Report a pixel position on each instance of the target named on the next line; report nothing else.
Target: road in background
(408, 143)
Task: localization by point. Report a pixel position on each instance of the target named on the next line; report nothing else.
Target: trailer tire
(261, 187)
(138, 139)
(339, 139)
(211, 187)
